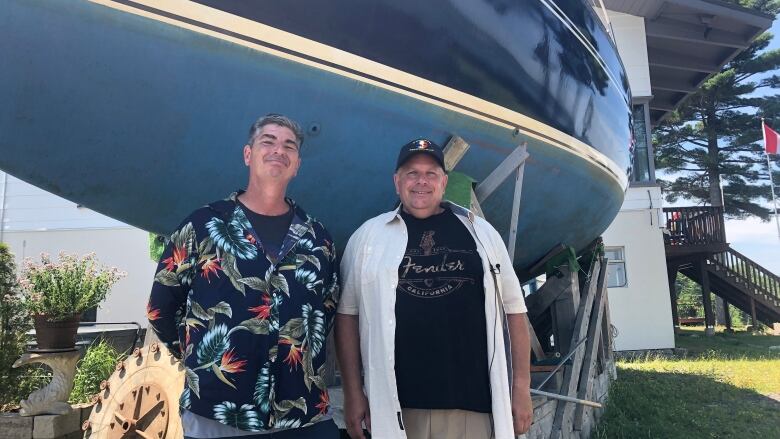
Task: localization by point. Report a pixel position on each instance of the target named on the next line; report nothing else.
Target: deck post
(753, 319)
(672, 273)
(727, 316)
(709, 316)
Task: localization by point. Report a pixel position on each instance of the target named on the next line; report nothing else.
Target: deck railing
(754, 276)
(694, 226)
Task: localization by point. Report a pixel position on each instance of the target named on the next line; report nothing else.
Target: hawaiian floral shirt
(251, 331)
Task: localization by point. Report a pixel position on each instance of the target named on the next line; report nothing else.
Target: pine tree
(716, 135)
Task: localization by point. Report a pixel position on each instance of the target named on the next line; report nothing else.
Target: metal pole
(2, 206)
(771, 181)
(772, 187)
(566, 398)
(560, 363)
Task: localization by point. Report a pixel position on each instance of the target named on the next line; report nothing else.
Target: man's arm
(520, 342)
(356, 409)
(168, 295)
(522, 408)
(347, 333)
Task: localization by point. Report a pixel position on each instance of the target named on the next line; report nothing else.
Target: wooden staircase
(696, 246)
(742, 283)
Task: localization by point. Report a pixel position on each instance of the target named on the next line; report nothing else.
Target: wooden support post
(727, 316)
(672, 273)
(512, 239)
(454, 151)
(564, 413)
(564, 310)
(502, 171)
(591, 347)
(475, 207)
(706, 298)
(753, 319)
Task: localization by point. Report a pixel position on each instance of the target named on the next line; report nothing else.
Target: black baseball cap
(420, 146)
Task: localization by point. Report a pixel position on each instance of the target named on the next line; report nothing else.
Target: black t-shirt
(270, 230)
(440, 337)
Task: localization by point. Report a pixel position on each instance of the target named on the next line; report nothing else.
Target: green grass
(726, 386)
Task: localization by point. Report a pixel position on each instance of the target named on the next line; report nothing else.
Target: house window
(641, 170)
(616, 267)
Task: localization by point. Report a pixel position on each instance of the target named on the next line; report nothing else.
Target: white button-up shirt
(369, 272)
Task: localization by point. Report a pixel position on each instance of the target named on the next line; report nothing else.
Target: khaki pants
(447, 424)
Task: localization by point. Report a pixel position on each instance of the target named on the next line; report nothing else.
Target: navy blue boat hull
(144, 121)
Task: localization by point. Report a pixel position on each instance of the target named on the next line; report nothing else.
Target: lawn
(726, 386)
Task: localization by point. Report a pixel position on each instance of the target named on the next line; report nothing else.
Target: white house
(668, 47)
(35, 221)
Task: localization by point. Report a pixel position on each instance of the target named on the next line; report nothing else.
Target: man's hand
(522, 409)
(356, 412)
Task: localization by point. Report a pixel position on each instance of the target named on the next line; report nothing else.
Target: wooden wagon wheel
(140, 400)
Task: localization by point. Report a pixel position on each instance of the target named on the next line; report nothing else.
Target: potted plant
(57, 293)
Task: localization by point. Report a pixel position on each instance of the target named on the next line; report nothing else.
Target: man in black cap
(425, 290)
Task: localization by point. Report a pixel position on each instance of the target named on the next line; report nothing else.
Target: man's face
(274, 154)
(420, 183)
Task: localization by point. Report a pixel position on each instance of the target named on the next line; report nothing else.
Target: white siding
(632, 46)
(641, 311)
(127, 249)
(36, 221)
(28, 208)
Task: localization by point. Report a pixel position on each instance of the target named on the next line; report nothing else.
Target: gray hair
(275, 119)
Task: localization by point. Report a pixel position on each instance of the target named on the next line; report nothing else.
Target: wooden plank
(539, 265)
(515, 211)
(541, 300)
(564, 311)
(564, 413)
(475, 207)
(606, 355)
(536, 347)
(502, 171)
(455, 149)
(591, 348)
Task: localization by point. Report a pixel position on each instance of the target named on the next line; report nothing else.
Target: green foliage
(70, 286)
(716, 135)
(688, 297)
(689, 302)
(15, 384)
(156, 247)
(770, 7)
(97, 365)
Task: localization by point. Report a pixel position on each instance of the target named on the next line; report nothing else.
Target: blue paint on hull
(144, 122)
(514, 53)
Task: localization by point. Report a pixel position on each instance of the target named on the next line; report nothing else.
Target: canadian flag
(771, 139)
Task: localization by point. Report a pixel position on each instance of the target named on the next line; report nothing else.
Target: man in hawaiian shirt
(426, 291)
(245, 294)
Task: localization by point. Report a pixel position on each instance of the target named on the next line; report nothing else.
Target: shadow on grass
(729, 345)
(647, 404)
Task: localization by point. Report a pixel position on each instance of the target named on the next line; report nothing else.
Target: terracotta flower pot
(56, 335)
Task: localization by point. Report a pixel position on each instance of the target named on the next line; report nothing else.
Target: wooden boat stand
(570, 313)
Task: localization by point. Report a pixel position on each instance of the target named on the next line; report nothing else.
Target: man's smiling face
(420, 183)
(274, 153)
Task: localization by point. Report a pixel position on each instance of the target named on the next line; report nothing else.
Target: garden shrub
(15, 384)
(97, 365)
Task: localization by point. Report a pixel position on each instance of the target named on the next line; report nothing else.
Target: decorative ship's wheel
(140, 400)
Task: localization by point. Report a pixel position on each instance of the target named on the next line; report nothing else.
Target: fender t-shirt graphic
(441, 342)
(431, 271)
